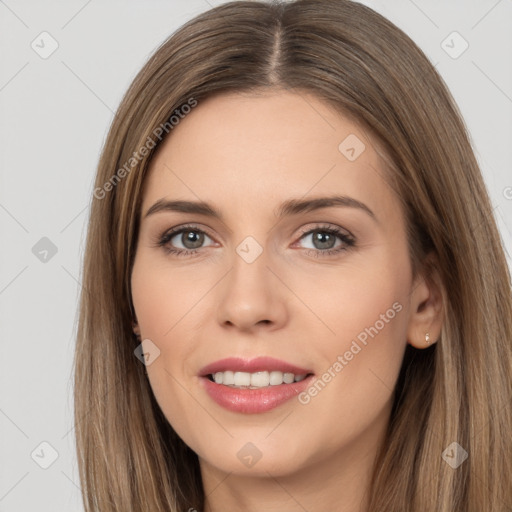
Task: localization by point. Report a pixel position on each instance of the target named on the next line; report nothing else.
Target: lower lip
(253, 401)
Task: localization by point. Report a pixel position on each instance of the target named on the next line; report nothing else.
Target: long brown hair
(459, 390)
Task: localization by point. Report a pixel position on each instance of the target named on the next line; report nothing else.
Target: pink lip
(252, 401)
(259, 364)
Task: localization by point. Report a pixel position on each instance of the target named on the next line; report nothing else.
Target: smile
(254, 380)
(253, 386)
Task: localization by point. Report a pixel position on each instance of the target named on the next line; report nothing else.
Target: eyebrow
(288, 208)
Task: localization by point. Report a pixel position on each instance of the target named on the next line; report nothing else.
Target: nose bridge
(251, 293)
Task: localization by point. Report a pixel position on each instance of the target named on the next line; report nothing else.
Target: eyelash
(348, 241)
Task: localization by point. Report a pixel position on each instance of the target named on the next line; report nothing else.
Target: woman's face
(301, 257)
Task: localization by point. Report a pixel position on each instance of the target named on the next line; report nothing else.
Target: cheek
(163, 297)
(161, 305)
(359, 301)
(364, 312)
(164, 302)
(362, 308)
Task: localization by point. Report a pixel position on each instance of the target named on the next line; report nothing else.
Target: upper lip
(258, 364)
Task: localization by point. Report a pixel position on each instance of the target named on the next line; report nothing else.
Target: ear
(426, 306)
(136, 328)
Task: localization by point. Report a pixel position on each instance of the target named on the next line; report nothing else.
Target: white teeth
(242, 379)
(288, 378)
(276, 378)
(260, 379)
(229, 378)
(255, 380)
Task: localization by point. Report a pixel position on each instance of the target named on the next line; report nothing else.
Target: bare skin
(246, 155)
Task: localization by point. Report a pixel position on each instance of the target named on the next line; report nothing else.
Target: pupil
(325, 240)
(192, 239)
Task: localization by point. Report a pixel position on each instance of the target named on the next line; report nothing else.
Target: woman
(295, 293)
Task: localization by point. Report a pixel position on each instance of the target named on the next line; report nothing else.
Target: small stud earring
(427, 338)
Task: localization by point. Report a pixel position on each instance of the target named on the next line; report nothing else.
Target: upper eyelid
(327, 227)
(187, 227)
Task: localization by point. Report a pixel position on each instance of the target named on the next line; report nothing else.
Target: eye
(323, 240)
(184, 240)
(327, 240)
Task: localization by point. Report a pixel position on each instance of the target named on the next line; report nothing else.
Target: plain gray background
(54, 115)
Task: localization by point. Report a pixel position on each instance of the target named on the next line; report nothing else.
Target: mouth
(256, 380)
(253, 386)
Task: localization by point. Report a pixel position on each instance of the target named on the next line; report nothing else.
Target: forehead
(251, 151)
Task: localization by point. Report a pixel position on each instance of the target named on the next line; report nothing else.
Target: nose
(252, 297)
